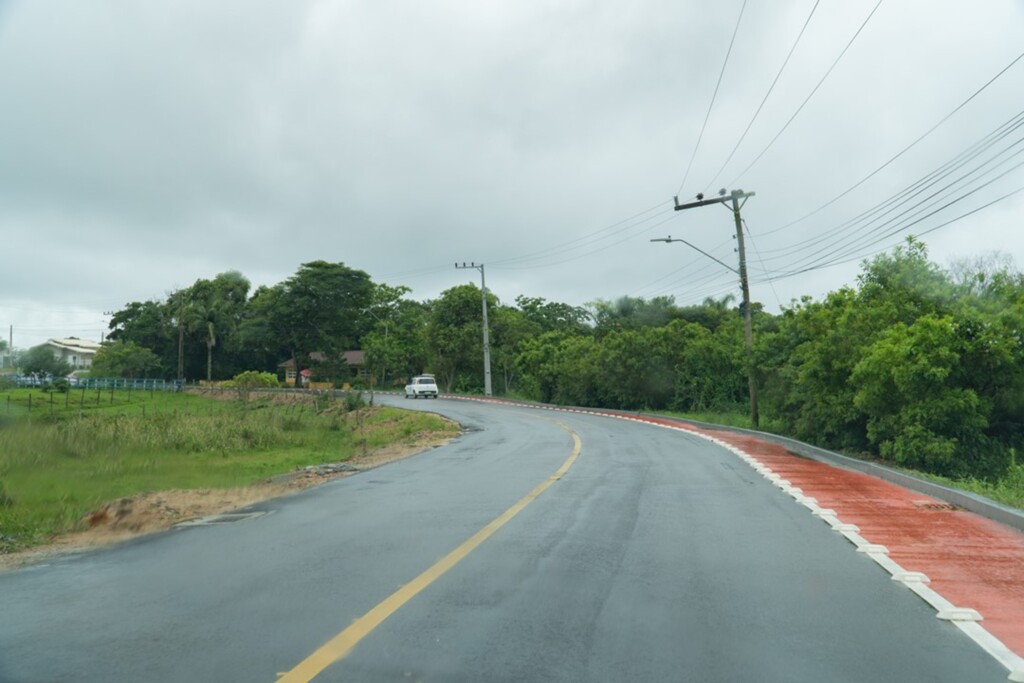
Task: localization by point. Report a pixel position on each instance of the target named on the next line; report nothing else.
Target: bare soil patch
(151, 512)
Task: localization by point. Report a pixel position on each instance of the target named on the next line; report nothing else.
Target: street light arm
(670, 239)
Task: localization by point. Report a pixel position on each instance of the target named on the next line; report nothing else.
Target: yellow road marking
(340, 645)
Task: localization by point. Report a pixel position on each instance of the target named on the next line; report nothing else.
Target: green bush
(246, 381)
(354, 400)
(253, 379)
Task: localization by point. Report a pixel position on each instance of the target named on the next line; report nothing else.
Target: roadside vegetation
(917, 365)
(59, 462)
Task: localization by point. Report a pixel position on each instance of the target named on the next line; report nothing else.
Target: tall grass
(53, 470)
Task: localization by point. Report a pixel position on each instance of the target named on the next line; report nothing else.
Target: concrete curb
(972, 502)
(964, 499)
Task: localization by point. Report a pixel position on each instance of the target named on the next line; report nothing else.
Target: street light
(735, 196)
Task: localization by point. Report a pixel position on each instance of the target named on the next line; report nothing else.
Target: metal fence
(138, 384)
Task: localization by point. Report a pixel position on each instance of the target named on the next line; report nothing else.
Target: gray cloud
(144, 146)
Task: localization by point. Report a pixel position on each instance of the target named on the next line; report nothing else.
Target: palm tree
(216, 305)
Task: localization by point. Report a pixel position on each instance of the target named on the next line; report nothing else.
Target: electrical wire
(849, 256)
(764, 99)
(714, 95)
(588, 253)
(631, 223)
(901, 152)
(808, 98)
(690, 274)
(853, 240)
(750, 237)
(585, 238)
(919, 234)
(914, 189)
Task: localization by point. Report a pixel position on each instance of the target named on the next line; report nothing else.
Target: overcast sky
(145, 145)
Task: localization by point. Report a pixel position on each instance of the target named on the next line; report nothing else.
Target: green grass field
(59, 461)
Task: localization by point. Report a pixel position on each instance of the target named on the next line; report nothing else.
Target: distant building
(356, 360)
(78, 353)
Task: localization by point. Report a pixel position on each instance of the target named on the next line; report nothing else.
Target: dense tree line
(923, 366)
(916, 364)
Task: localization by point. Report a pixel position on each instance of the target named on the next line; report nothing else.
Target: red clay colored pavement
(971, 561)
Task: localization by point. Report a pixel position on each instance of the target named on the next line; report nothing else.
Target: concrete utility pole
(181, 347)
(748, 329)
(487, 343)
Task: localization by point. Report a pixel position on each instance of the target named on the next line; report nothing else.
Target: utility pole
(748, 329)
(487, 343)
(181, 343)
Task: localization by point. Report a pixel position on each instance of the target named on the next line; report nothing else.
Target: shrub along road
(514, 553)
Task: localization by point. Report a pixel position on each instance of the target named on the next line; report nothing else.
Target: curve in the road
(979, 561)
(340, 645)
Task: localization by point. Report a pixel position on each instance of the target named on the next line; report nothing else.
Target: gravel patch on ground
(150, 512)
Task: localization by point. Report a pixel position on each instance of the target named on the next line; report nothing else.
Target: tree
(40, 360)
(509, 328)
(151, 325)
(711, 373)
(455, 334)
(121, 358)
(630, 313)
(552, 315)
(712, 312)
(215, 307)
(905, 283)
(397, 344)
(382, 351)
(922, 411)
(318, 309)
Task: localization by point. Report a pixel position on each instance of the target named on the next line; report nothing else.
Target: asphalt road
(656, 557)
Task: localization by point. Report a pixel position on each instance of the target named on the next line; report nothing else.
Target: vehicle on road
(421, 385)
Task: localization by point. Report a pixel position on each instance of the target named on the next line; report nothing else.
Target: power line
(690, 273)
(917, 187)
(542, 253)
(808, 98)
(608, 232)
(923, 232)
(588, 253)
(902, 151)
(714, 280)
(713, 96)
(770, 283)
(852, 241)
(838, 259)
(765, 99)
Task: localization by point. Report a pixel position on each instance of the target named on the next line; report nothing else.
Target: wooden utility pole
(748, 328)
(487, 343)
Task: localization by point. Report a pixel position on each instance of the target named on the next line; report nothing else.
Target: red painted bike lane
(972, 561)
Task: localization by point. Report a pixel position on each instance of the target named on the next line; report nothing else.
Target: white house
(77, 352)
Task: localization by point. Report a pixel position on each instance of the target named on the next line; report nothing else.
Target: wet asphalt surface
(657, 557)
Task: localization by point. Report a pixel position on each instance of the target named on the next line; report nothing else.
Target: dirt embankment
(146, 513)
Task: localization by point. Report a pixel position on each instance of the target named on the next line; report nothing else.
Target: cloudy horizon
(148, 145)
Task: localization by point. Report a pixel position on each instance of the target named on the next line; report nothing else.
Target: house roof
(350, 357)
(74, 344)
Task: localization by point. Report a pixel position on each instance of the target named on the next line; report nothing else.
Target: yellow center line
(340, 645)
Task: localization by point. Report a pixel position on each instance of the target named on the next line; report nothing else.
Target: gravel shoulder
(151, 512)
